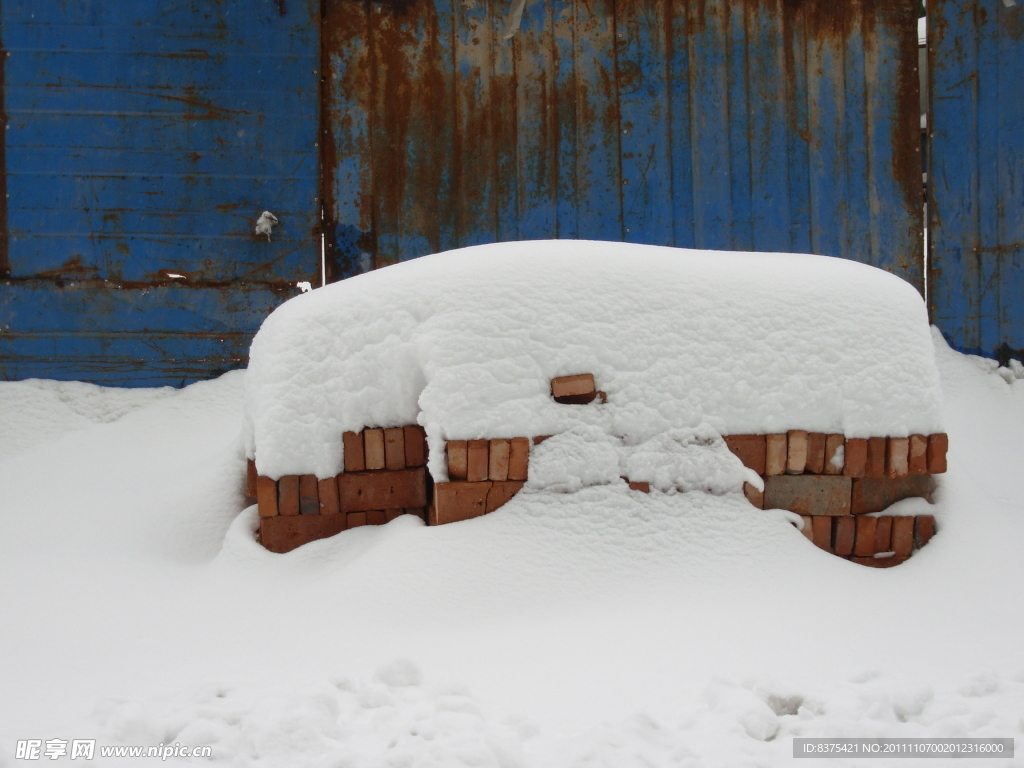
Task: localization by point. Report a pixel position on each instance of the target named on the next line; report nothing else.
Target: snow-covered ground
(601, 628)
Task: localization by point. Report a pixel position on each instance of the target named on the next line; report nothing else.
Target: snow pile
(466, 342)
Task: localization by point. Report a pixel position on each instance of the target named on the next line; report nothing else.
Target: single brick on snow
(394, 448)
(796, 452)
(353, 445)
(816, 452)
(415, 446)
(498, 460)
(808, 494)
(883, 534)
(924, 529)
(843, 532)
(266, 496)
(458, 459)
(903, 536)
(373, 448)
(250, 479)
(458, 501)
(864, 540)
(288, 495)
(328, 491)
(775, 454)
(917, 460)
(937, 446)
(855, 457)
(834, 464)
(367, 491)
(309, 495)
(518, 458)
(638, 485)
(874, 494)
(749, 449)
(476, 461)
(897, 456)
(579, 389)
(875, 466)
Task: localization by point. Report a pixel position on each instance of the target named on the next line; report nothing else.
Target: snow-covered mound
(466, 342)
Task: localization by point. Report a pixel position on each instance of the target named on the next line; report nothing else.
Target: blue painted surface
(765, 125)
(976, 175)
(143, 141)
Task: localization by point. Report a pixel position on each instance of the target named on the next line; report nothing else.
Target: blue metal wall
(143, 139)
(772, 125)
(976, 175)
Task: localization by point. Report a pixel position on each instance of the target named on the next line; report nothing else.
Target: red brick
(266, 496)
(816, 452)
(844, 530)
(373, 447)
(903, 536)
(917, 459)
(796, 452)
(540, 439)
(821, 532)
(638, 485)
(458, 501)
(938, 444)
(750, 449)
(355, 519)
(875, 494)
(328, 491)
(855, 457)
(808, 529)
(498, 460)
(366, 491)
(376, 517)
(808, 494)
(832, 444)
(883, 534)
(878, 562)
(775, 454)
(394, 448)
(283, 534)
(391, 514)
(288, 495)
(309, 495)
(250, 479)
(476, 463)
(864, 544)
(875, 466)
(501, 492)
(415, 445)
(924, 529)
(353, 444)
(458, 459)
(897, 455)
(753, 495)
(519, 458)
(568, 386)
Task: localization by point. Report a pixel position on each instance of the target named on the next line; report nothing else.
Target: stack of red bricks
(483, 475)
(385, 476)
(806, 473)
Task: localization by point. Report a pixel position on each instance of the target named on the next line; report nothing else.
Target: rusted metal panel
(143, 141)
(976, 175)
(761, 124)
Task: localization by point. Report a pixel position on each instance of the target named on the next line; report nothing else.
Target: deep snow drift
(466, 342)
(597, 628)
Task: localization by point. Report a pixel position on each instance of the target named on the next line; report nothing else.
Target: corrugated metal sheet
(143, 139)
(976, 175)
(756, 124)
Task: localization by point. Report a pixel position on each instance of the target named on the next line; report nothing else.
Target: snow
(466, 342)
(600, 627)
